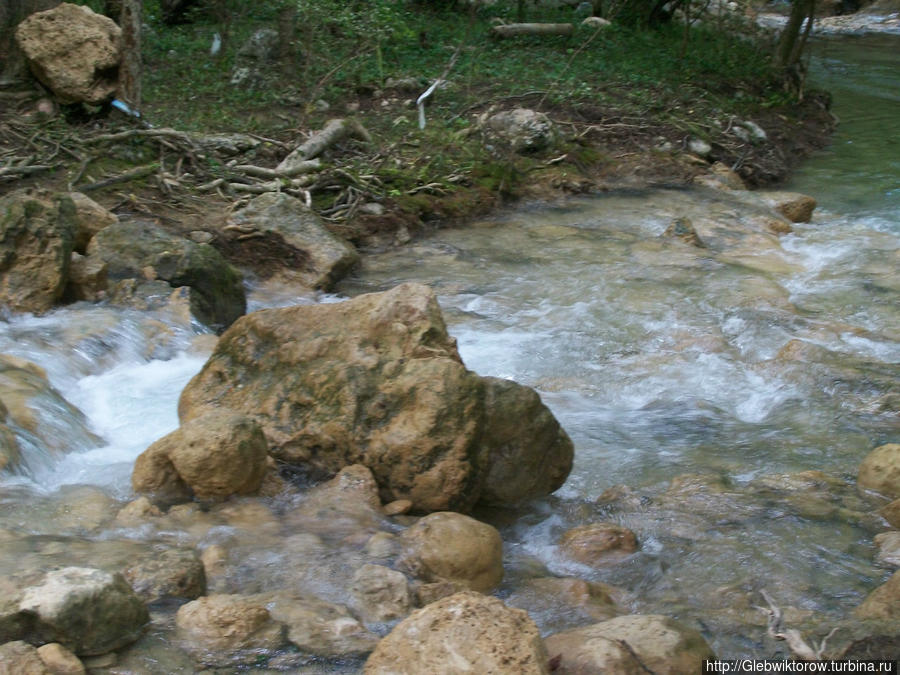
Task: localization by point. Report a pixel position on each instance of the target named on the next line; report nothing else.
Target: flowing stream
(701, 386)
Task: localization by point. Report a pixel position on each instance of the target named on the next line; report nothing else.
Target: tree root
(796, 644)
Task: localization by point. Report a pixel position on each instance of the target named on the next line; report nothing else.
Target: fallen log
(513, 29)
(335, 131)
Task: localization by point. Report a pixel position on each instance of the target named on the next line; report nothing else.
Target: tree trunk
(786, 54)
(287, 37)
(12, 61)
(130, 64)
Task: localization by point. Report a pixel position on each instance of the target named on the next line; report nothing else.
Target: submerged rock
(796, 207)
(655, 644)
(73, 51)
(464, 633)
(377, 381)
(37, 236)
(598, 543)
(380, 594)
(174, 573)
(883, 602)
(228, 630)
(451, 547)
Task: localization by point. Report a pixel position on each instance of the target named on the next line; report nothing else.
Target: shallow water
(753, 357)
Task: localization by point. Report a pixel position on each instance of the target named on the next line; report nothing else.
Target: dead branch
(794, 639)
(514, 29)
(296, 169)
(145, 133)
(131, 174)
(20, 171)
(335, 131)
(271, 186)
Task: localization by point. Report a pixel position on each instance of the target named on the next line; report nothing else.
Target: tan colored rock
(87, 279)
(891, 513)
(59, 660)
(566, 595)
(888, 544)
(880, 471)
(307, 251)
(375, 380)
(346, 506)
(214, 456)
(380, 594)
(37, 233)
(173, 573)
(320, 628)
(883, 602)
(21, 658)
(683, 230)
(464, 633)
(72, 51)
(227, 630)
(796, 207)
(137, 512)
(598, 543)
(90, 218)
(397, 507)
(661, 645)
(446, 546)
(86, 610)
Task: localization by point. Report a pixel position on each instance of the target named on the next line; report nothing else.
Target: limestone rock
(598, 543)
(464, 633)
(520, 130)
(72, 51)
(380, 594)
(86, 610)
(141, 250)
(87, 279)
(796, 207)
(345, 506)
(567, 596)
(880, 471)
(227, 630)
(375, 380)
(321, 628)
(883, 602)
(661, 645)
(451, 547)
(35, 406)
(683, 230)
(214, 456)
(90, 218)
(891, 513)
(173, 573)
(37, 233)
(59, 660)
(532, 455)
(297, 239)
(888, 544)
(21, 658)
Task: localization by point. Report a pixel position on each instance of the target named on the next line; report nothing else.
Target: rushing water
(703, 379)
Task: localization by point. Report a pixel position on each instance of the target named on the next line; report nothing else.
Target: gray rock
(86, 610)
(520, 130)
(136, 250)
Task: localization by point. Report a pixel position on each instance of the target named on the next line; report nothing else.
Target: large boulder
(73, 52)
(634, 643)
(297, 245)
(376, 380)
(37, 235)
(211, 457)
(880, 471)
(142, 250)
(86, 610)
(464, 633)
(451, 547)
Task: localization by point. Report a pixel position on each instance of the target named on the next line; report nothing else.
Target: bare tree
(130, 64)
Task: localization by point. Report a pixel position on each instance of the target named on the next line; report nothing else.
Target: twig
(795, 642)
